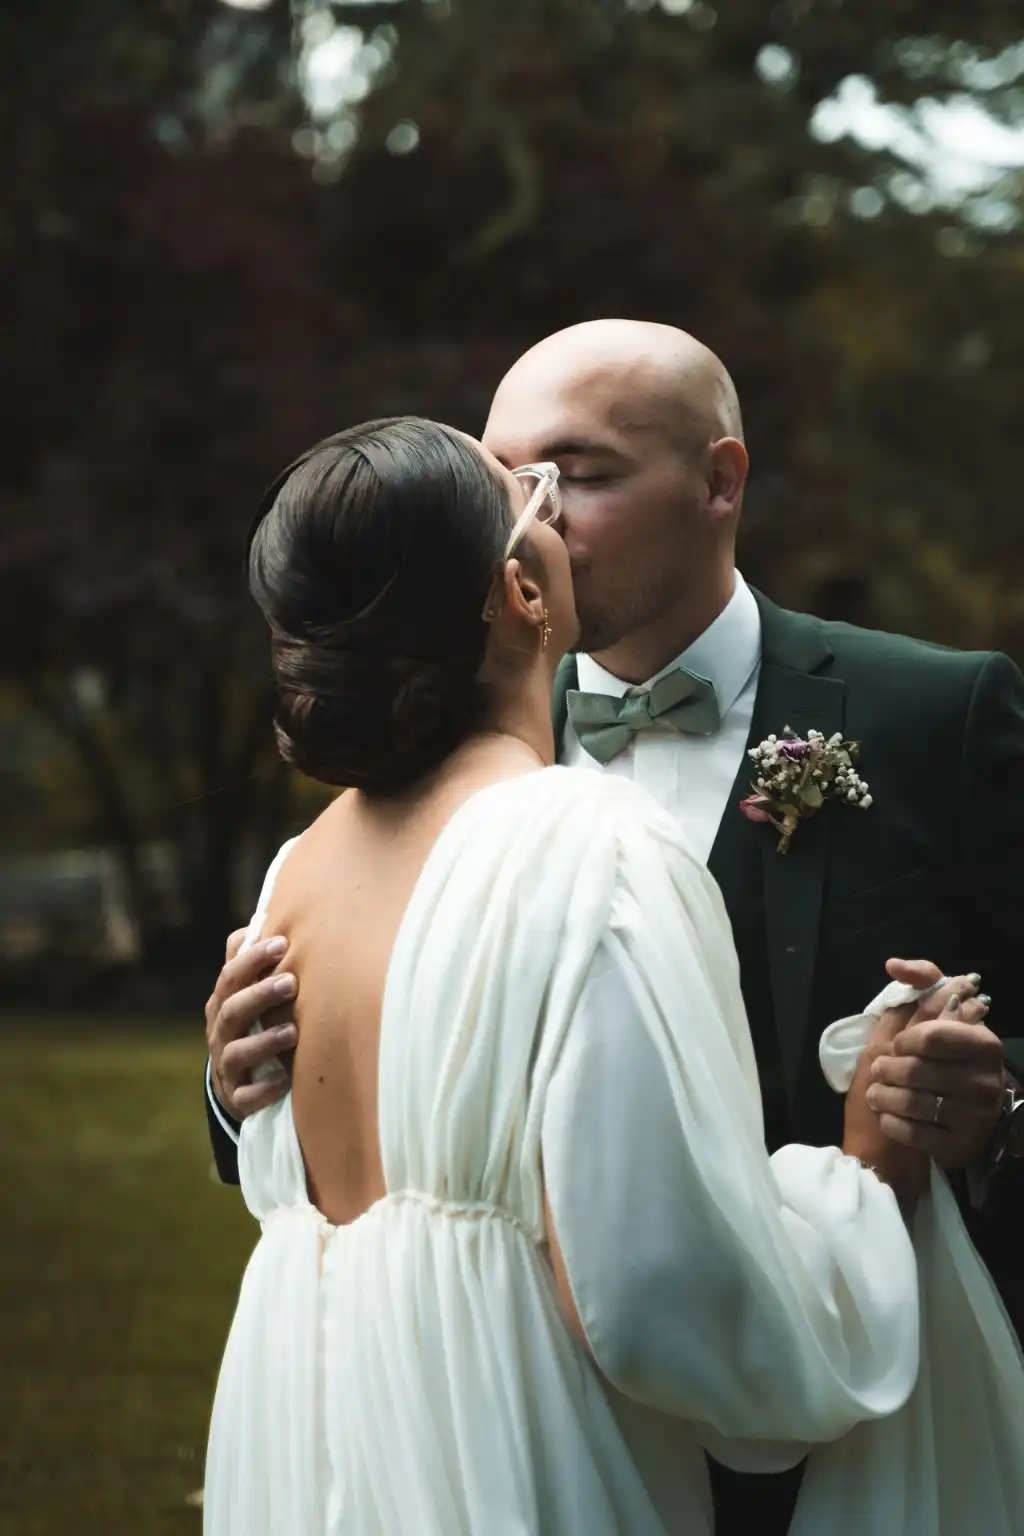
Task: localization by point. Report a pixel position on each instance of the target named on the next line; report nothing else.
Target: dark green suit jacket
(933, 870)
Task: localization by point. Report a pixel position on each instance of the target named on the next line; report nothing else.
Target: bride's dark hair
(371, 558)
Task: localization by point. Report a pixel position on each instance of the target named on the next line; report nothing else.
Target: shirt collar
(727, 654)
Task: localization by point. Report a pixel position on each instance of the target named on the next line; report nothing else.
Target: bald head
(638, 367)
(644, 425)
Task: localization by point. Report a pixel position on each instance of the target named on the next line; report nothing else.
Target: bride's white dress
(563, 994)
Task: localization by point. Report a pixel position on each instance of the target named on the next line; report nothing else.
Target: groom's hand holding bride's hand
(939, 1087)
(250, 988)
(893, 1129)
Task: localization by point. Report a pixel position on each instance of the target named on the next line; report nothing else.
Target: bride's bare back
(340, 899)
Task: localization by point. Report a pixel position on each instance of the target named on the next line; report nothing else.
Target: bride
(523, 1255)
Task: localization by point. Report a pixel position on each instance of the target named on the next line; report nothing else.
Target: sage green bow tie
(606, 725)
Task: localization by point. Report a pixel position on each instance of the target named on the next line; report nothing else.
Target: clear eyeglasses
(543, 500)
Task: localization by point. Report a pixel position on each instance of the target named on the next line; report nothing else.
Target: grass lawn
(120, 1260)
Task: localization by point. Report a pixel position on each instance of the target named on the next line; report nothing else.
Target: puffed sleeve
(766, 1301)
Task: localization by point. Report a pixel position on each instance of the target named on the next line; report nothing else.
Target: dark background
(199, 276)
(228, 229)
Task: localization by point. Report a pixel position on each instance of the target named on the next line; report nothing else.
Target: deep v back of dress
(411, 1371)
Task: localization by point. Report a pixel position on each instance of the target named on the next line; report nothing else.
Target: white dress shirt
(691, 777)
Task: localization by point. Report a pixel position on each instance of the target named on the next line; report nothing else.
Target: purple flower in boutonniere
(796, 775)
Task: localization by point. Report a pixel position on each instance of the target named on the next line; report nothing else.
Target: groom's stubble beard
(651, 567)
(641, 599)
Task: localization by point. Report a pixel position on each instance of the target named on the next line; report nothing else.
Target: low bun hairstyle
(371, 558)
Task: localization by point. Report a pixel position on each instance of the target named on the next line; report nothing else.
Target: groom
(645, 426)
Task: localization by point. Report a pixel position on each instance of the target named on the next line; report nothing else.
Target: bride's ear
(524, 598)
(516, 595)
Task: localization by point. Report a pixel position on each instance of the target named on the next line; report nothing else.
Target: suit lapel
(792, 692)
(734, 859)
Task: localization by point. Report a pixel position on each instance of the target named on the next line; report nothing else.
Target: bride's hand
(903, 1168)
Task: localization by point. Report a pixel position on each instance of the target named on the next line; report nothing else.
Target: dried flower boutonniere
(795, 776)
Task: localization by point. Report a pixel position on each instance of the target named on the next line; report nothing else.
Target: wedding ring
(938, 1109)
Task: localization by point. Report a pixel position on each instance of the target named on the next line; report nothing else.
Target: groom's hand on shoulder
(250, 988)
(941, 1089)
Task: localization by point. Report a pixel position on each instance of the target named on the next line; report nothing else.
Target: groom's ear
(727, 477)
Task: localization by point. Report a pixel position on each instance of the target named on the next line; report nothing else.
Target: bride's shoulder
(581, 788)
(616, 796)
(561, 808)
(608, 801)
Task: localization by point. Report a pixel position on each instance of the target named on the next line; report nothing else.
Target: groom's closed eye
(591, 468)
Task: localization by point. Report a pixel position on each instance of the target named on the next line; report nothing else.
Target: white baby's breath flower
(789, 767)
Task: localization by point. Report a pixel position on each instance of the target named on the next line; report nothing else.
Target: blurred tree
(134, 430)
(225, 230)
(657, 161)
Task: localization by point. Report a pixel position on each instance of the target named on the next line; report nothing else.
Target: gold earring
(545, 634)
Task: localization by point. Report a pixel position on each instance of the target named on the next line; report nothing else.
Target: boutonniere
(796, 775)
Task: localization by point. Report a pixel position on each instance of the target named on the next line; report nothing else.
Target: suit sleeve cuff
(229, 1126)
(981, 1174)
(978, 1178)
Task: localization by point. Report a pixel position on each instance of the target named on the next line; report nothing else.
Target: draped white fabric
(411, 1372)
(952, 1460)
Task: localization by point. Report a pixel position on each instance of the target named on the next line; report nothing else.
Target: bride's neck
(522, 714)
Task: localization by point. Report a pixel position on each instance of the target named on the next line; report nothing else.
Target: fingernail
(984, 1000)
(953, 1004)
(286, 1033)
(276, 946)
(975, 980)
(872, 1096)
(284, 985)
